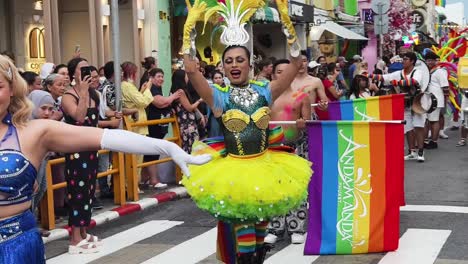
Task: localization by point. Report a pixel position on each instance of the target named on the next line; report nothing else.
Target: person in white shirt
(438, 83)
(407, 81)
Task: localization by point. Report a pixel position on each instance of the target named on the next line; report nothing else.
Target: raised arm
(280, 85)
(60, 137)
(186, 103)
(198, 80)
(163, 102)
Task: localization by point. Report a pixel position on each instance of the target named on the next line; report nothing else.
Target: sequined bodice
(245, 122)
(17, 174)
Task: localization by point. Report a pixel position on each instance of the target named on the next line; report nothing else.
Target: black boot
(262, 251)
(246, 258)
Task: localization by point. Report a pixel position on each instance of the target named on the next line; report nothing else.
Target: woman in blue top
(22, 148)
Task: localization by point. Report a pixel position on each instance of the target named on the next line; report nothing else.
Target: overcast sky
(466, 7)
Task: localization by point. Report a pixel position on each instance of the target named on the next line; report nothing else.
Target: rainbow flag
(440, 3)
(353, 194)
(386, 107)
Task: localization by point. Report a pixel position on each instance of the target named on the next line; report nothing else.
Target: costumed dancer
(250, 184)
(25, 143)
(290, 106)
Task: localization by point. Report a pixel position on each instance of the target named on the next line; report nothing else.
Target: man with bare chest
(311, 85)
(290, 106)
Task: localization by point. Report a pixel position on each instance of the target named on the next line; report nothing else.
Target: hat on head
(357, 57)
(341, 58)
(46, 69)
(313, 64)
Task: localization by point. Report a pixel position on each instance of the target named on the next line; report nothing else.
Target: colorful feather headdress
(232, 16)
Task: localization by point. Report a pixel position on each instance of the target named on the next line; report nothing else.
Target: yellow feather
(209, 14)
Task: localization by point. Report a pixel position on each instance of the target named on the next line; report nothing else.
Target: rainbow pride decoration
(353, 195)
(386, 107)
(440, 3)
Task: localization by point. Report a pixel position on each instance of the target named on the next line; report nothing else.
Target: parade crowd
(56, 94)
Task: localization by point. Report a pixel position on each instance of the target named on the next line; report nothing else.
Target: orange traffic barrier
(131, 164)
(47, 203)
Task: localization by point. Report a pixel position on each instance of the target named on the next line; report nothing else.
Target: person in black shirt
(160, 108)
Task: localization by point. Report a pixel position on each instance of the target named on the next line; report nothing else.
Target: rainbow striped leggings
(235, 239)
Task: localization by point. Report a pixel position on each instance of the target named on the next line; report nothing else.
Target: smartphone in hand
(85, 71)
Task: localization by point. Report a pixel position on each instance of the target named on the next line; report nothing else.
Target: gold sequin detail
(262, 146)
(239, 144)
(261, 117)
(235, 120)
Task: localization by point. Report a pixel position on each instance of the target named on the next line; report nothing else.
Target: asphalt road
(175, 231)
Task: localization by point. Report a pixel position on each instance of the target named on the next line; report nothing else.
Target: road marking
(294, 253)
(190, 251)
(118, 241)
(435, 209)
(418, 246)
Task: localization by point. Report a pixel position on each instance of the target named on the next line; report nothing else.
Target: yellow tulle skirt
(250, 188)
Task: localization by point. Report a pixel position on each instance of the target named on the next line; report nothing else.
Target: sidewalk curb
(116, 213)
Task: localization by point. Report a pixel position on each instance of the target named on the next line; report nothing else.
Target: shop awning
(267, 14)
(332, 27)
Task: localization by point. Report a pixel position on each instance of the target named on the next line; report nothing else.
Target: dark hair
(218, 72)
(92, 92)
(58, 67)
(29, 77)
(304, 53)
(278, 62)
(72, 64)
(155, 71)
(355, 89)
(247, 51)
(320, 57)
(92, 68)
(322, 72)
(128, 69)
(410, 55)
(264, 63)
(178, 82)
(148, 62)
(109, 69)
(209, 71)
(431, 56)
(331, 67)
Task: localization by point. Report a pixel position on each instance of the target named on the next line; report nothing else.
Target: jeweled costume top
(245, 117)
(251, 182)
(20, 242)
(17, 174)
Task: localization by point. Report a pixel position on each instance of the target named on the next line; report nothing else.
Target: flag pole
(340, 121)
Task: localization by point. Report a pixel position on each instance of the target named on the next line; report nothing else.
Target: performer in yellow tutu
(250, 183)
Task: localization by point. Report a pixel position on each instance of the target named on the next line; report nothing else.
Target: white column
(92, 33)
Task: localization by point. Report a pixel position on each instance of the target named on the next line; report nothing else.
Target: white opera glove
(125, 141)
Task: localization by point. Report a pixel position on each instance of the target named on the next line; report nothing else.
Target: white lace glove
(125, 141)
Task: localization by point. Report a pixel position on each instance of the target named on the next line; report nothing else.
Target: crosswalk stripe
(118, 242)
(435, 209)
(418, 246)
(190, 251)
(293, 253)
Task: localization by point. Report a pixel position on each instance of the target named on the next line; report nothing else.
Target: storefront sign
(419, 18)
(301, 12)
(34, 65)
(419, 3)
